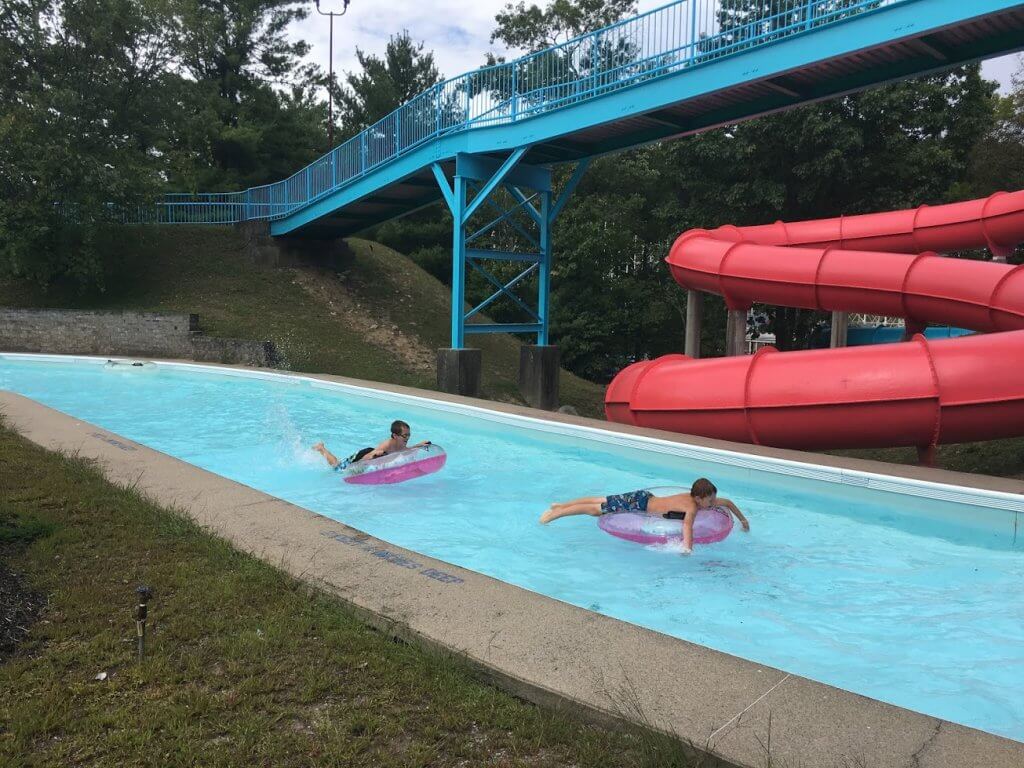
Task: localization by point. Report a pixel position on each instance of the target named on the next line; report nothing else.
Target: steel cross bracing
(530, 189)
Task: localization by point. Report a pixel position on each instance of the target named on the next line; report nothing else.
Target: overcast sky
(457, 31)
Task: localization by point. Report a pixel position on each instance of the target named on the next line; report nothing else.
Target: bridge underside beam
(785, 95)
(379, 210)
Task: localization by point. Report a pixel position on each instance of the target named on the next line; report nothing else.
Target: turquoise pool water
(912, 600)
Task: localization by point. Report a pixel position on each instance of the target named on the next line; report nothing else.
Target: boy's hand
(686, 551)
(745, 525)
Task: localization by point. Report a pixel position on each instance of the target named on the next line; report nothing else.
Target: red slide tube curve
(917, 393)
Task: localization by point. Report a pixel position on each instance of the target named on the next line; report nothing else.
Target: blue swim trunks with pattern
(634, 501)
(345, 463)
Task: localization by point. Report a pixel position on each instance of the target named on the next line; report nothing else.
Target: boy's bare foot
(319, 447)
(549, 515)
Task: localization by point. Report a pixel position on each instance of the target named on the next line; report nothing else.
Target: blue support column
(544, 280)
(458, 262)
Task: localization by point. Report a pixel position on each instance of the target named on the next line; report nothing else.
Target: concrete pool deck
(538, 647)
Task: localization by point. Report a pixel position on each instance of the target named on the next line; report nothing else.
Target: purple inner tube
(396, 467)
(711, 525)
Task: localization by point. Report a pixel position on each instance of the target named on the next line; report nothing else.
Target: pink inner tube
(711, 525)
(396, 467)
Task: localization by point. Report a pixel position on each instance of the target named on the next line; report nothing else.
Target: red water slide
(917, 393)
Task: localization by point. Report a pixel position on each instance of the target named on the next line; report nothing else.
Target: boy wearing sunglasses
(399, 441)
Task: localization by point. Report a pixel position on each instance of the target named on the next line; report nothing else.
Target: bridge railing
(655, 44)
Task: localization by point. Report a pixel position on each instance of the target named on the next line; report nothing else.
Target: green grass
(17, 532)
(205, 270)
(245, 666)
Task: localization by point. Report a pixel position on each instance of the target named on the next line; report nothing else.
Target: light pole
(330, 77)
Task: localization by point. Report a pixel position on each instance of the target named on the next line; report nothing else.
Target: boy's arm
(688, 532)
(744, 523)
(380, 450)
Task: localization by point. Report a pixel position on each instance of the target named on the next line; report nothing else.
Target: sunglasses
(403, 435)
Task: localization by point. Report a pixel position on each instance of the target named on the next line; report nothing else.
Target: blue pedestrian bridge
(680, 69)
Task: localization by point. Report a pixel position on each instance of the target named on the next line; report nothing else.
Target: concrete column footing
(458, 371)
(538, 375)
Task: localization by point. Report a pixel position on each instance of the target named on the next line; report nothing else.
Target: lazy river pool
(904, 591)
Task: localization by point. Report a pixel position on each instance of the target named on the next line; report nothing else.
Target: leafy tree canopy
(74, 155)
(385, 83)
(997, 161)
(531, 28)
(105, 103)
(248, 115)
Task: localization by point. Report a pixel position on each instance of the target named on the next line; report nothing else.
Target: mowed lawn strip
(245, 666)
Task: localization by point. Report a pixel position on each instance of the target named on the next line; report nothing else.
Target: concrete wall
(147, 334)
(210, 349)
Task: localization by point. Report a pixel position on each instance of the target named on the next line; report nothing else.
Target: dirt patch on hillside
(330, 290)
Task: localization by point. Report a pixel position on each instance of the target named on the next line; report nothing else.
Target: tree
(997, 162)
(233, 44)
(385, 84)
(247, 115)
(74, 156)
(531, 28)
(106, 103)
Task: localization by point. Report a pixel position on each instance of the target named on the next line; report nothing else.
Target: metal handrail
(651, 45)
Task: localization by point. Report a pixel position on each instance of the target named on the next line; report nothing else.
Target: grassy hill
(367, 312)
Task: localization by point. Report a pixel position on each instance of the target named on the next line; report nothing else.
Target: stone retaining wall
(146, 334)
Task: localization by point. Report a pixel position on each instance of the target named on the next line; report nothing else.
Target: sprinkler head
(144, 594)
